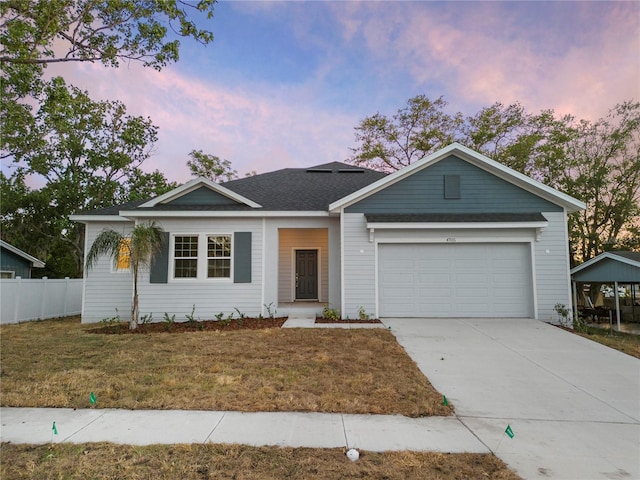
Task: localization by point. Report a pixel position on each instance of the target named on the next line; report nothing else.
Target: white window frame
(230, 257)
(202, 258)
(12, 274)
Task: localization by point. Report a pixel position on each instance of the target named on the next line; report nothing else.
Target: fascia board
(36, 263)
(97, 218)
(225, 214)
(454, 225)
(193, 185)
(602, 256)
(626, 260)
(502, 171)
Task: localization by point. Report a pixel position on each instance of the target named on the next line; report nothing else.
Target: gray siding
(210, 296)
(608, 271)
(480, 192)
(550, 259)
(552, 267)
(106, 290)
(11, 262)
(203, 196)
(359, 276)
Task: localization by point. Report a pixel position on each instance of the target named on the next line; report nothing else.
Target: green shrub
(330, 313)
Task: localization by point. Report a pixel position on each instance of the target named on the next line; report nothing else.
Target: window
(124, 254)
(7, 274)
(219, 256)
(202, 256)
(186, 257)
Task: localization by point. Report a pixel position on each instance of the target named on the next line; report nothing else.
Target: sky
(283, 84)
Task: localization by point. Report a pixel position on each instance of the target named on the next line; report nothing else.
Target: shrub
(330, 313)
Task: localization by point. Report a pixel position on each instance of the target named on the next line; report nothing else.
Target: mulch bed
(199, 326)
(346, 320)
(249, 323)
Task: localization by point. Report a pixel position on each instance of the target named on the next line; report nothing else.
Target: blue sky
(284, 83)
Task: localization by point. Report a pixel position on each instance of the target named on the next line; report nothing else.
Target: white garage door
(455, 280)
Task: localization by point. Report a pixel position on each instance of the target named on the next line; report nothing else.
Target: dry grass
(107, 461)
(58, 363)
(625, 342)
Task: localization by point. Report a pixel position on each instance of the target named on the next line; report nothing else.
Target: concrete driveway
(573, 404)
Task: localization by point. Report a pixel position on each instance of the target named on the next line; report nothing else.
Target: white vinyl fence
(24, 299)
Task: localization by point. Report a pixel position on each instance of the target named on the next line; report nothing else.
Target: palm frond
(106, 243)
(146, 241)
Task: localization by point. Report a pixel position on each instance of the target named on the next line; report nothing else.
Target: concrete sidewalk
(316, 430)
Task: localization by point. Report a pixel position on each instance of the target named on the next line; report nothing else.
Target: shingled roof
(288, 189)
(304, 189)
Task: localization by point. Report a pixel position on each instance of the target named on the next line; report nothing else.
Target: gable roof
(33, 260)
(501, 171)
(286, 190)
(195, 184)
(628, 258)
(304, 189)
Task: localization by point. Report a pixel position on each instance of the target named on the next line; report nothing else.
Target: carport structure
(617, 268)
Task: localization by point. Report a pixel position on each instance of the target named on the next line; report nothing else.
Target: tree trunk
(134, 303)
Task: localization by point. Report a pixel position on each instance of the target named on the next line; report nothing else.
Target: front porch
(306, 309)
(303, 268)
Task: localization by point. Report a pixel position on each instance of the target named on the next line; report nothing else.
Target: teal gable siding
(608, 270)
(202, 196)
(11, 262)
(480, 192)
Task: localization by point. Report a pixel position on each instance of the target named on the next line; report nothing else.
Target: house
(609, 268)
(16, 263)
(455, 234)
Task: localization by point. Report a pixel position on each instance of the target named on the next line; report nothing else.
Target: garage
(455, 280)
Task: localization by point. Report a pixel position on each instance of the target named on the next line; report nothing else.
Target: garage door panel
(457, 280)
(427, 281)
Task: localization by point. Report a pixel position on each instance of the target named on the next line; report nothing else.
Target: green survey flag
(92, 398)
(445, 402)
(509, 432)
(54, 428)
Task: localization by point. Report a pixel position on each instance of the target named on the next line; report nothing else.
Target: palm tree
(144, 242)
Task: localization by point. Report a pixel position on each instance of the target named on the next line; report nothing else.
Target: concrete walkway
(573, 404)
(317, 430)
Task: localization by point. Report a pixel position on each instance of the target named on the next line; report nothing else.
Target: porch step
(309, 321)
(300, 321)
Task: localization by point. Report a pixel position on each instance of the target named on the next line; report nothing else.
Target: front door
(306, 275)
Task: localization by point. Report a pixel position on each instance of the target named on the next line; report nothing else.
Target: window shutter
(242, 257)
(160, 264)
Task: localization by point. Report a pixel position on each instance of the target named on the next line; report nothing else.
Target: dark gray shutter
(160, 263)
(452, 186)
(242, 257)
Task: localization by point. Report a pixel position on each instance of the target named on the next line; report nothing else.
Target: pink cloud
(254, 127)
(481, 56)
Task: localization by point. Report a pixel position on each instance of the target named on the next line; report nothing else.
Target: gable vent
(319, 170)
(350, 170)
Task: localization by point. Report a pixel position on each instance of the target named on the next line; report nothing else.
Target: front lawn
(191, 462)
(625, 342)
(58, 363)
